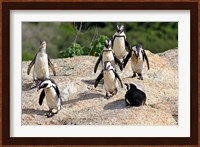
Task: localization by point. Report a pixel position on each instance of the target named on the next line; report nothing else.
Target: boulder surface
(85, 105)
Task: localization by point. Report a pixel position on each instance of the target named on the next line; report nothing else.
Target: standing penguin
(107, 55)
(52, 94)
(134, 96)
(120, 42)
(137, 55)
(110, 80)
(41, 62)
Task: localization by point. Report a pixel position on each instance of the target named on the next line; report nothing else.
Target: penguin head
(137, 49)
(107, 43)
(43, 44)
(47, 83)
(108, 66)
(130, 86)
(120, 29)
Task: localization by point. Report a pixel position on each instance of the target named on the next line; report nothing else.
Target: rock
(85, 105)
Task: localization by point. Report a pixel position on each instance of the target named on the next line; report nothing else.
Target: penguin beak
(136, 54)
(38, 88)
(41, 86)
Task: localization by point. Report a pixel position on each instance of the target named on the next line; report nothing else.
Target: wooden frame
(7, 140)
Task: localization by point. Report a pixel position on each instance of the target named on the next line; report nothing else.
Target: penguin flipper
(31, 65)
(117, 76)
(118, 62)
(57, 91)
(55, 87)
(52, 67)
(127, 58)
(127, 44)
(97, 63)
(112, 39)
(98, 79)
(42, 95)
(145, 57)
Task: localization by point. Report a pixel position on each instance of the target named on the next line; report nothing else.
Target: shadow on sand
(118, 104)
(33, 111)
(84, 96)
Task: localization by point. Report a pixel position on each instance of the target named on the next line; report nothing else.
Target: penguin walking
(120, 42)
(52, 94)
(40, 62)
(111, 79)
(134, 96)
(107, 55)
(137, 55)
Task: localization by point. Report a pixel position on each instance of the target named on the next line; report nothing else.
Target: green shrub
(98, 46)
(74, 50)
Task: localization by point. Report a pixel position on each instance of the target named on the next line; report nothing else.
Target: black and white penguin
(137, 55)
(41, 62)
(134, 96)
(120, 42)
(111, 79)
(107, 55)
(52, 94)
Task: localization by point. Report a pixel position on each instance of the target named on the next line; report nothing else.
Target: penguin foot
(107, 96)
(134, 75)
(114, 92)
(49, 114)
(140, 77)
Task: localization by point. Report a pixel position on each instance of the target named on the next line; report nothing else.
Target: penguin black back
(134, 96)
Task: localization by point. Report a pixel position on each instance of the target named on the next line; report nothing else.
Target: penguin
(137, 55)
(120, 42)
(110, 80)
(40, 62)
(108, 55)
(134, 96)
(52, 94)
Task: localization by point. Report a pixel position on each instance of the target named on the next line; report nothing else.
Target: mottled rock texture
(85, 105)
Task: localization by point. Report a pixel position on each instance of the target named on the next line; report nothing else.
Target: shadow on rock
(26, 86)
(91, 82)
(33, 111)
(118, 104)
(84, 96)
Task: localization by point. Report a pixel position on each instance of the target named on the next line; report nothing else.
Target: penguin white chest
(119, 47)
(41, 70)
(51, 98)
(108, 56)
(137, 64)
(110, 82)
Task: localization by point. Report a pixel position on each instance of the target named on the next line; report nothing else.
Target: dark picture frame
(7, 140)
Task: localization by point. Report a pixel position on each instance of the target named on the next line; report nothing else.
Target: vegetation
(68, 39)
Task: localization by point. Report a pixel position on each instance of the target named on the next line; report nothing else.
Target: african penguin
(107, 55)
(52, 94)
(120, 42)
(134, 96)
(137, 55)
(110, 80)
(40, 62)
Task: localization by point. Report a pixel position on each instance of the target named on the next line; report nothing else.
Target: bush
(98, 46)
(74, 50)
